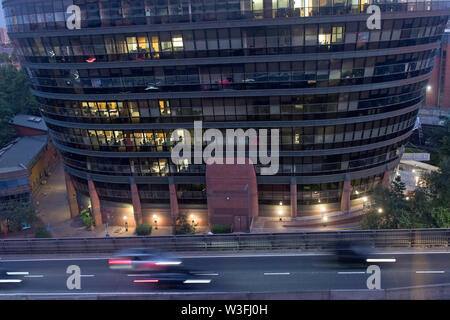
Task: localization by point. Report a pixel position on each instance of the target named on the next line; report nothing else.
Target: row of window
(219, 42)
(164, 166)
(234, 109)
(320, 137)
(229, 85)
(239, 76)
(53, 14)
(226, 70)
(307, 194)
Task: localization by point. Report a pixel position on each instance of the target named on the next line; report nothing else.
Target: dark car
(347, 252)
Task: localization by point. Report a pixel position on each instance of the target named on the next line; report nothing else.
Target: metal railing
(416, 238)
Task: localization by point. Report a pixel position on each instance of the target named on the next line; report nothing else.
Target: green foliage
(87, 219)
(441, 217)
(17, 212)
(42, 233)
(220, 228)
(440, 138)
(427, 207)
(182, 225)
(144, 229)
(15, 98)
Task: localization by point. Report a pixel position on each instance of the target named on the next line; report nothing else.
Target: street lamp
(280, 213)
(380, 210)
(156, 221)
(126, 223)
(324, 219)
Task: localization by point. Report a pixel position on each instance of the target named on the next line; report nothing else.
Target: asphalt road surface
(231, 273)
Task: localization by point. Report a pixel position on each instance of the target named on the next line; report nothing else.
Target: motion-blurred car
(144, 260)
(173, 277)
(6, 280)
(349, 253)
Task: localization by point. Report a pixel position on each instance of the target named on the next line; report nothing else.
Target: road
(233, 273)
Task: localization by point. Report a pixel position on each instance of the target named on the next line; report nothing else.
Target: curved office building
(117, 77)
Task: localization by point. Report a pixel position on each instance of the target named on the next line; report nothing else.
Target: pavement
(231, 273)
(53, 210)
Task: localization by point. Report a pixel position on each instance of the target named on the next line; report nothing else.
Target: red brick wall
(47, 159)
(27, 132)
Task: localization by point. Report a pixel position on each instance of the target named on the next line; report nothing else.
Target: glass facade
(343, 97)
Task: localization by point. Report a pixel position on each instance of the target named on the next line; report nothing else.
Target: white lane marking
(197, 281)
(87, 275)
(207, 274)
(10, 281)
(351, 272)
(277, 273)
(35, 276)
(430, 271)
(381, 260)
(17, 273)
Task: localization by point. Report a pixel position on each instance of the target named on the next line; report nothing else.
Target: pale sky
(2, 20)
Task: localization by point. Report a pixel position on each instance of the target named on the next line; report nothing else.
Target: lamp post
(156, 221)
(324, 219)
(126, 223)
(280, 213)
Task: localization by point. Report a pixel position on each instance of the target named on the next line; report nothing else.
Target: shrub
(144, 229)
(183, 226)
(221, 228)
(86, 218)
(42, 233)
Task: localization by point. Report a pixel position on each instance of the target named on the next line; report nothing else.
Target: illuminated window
(338, 33)
(155, 46)
(132, 44)
(324, 36)
(143, 44)
(112, 106)
(177, 42)
(164, 107)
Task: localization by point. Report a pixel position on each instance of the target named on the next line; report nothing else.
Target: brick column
(95, 204)
(71, 197)
(345, 199)
(137, 209)
(4, 224)
(293, 197)
(386, 182)
(174, 211)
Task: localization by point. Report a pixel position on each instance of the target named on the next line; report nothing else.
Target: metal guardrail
(414, 238)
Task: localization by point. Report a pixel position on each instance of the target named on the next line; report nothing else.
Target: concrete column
(71, 197)
(95, 204)
(293, 198)
(386, 182)
(174, 211)
(345, 199)
(136, 204)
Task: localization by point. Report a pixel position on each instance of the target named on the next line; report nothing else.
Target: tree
(441, 217)
(17, 212)
(15, 98)
(182, 225)
(398, 187)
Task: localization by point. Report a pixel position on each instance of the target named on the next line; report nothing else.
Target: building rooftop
(28, 121)
(21, 152)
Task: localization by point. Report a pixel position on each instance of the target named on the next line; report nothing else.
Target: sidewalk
(53, 209)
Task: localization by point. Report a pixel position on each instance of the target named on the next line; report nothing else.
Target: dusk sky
(2, 20)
